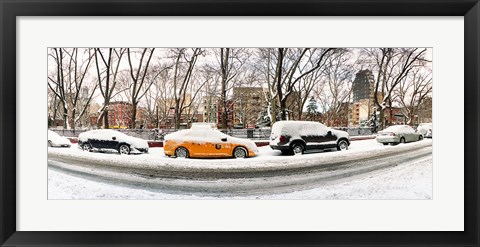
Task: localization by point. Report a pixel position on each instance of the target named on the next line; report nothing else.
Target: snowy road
(268, 174)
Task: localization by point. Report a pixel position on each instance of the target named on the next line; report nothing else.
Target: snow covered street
(410, 180)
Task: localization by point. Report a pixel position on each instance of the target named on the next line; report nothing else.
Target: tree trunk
(278, 76)
(273, 110)
(224, 64)
(105, 119)
(65, 117)
(73, 120)
(134, 115)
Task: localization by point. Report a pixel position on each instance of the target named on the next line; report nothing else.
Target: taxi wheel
(239, 152)
(181, 152)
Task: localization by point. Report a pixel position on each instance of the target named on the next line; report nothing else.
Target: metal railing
(253, 134)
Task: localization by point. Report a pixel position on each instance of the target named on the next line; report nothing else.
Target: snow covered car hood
(106, 135)
(245, 142)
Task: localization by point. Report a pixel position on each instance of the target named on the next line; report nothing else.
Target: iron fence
(253, 134)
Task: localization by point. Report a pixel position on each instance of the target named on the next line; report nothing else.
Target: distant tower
(363, 85)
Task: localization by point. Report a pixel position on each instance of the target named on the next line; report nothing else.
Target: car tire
(342, 145)
(87, 147)
(297, 149)
(420, 137)
(402, 140)
(181, 152)
(50, 144)
(240, 152)
(124, 149)
(385, 143)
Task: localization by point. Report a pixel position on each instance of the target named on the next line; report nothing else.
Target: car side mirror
(114, 138)
(224, 139)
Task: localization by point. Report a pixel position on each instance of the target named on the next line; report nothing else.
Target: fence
(252, 134)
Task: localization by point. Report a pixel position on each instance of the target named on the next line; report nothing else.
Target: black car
(106, 139)
(295, 137)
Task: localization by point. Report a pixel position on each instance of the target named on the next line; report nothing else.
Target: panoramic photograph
(294, 123)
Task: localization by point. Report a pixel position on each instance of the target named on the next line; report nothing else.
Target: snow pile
(108, 134)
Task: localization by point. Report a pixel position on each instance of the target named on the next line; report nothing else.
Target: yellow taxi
(207, 142)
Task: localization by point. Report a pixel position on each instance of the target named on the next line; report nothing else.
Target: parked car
(295, 137)
(106, 139)
(396, 134)
(203, 141)
(56, 140)
(425, 129)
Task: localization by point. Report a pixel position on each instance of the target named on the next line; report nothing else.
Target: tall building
(363, 85)
(363, 103)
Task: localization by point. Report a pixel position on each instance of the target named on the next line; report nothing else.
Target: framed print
(38, 209)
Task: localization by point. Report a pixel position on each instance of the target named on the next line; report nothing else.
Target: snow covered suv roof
(297, 127)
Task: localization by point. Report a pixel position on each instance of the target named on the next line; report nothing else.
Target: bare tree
(183, 69)
(107, 78)
(232, 61)
(57, 84)
(201, 77)
(336, 86)
(138, 87)
(393, 65)
(412, 91)
(292, 66)
(211, 93)
(266, 65)
(156, 97)
(80, 92)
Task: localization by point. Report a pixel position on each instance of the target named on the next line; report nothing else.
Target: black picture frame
(9, 10)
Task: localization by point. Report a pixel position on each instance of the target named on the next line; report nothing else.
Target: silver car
(398, 134)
